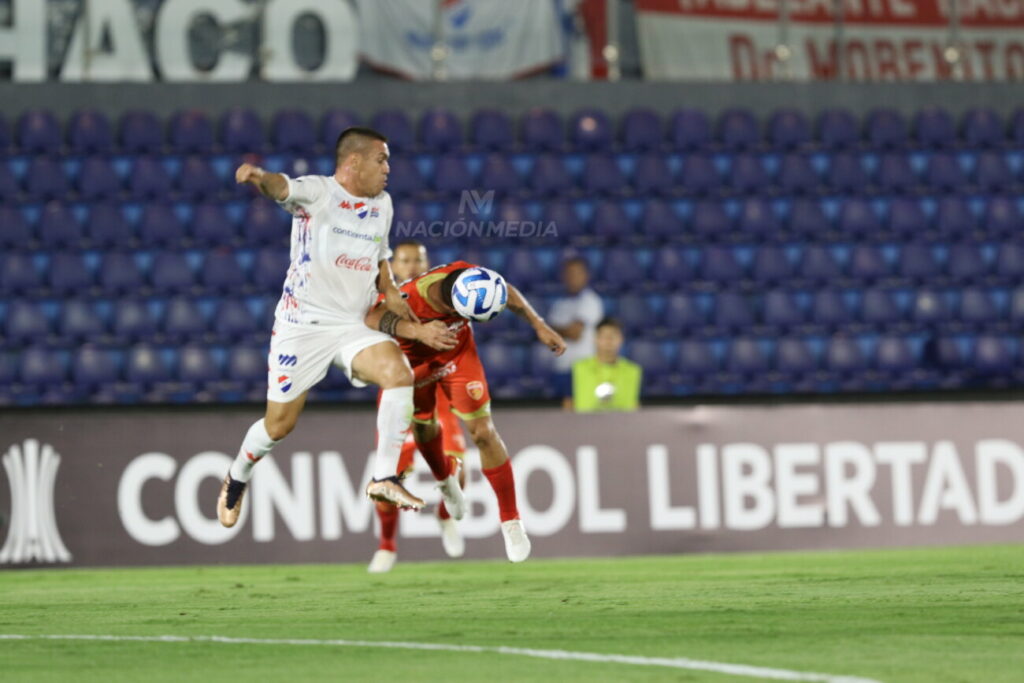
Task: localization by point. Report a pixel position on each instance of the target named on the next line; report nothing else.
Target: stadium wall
(463, 98)
(137, 487)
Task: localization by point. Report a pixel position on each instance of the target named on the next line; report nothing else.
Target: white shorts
(301, 355)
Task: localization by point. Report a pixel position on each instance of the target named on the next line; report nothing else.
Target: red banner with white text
(881, 40)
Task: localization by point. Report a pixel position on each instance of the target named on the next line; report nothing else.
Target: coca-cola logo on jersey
(346, 261)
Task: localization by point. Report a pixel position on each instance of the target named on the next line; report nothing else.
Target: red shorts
(462, 381)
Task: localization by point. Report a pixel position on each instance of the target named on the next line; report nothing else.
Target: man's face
(608, 341)
(575, 276)
(409, 261)
(371, 168)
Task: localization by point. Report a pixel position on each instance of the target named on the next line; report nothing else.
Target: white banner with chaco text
(881, 40)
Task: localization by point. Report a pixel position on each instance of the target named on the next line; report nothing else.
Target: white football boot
(452, 494)
(451, 539)
(382, 562)
(517, 544)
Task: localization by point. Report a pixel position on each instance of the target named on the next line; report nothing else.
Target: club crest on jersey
(284, 383)
(361, 209)
(475, 390)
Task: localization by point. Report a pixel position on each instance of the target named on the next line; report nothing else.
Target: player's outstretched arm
(518, 304)
(434, 334)
(271, 185)
(393, 297)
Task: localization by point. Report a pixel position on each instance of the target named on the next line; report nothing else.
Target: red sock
(433, 453)
(442, 511)
(388, 514)
(504, 485)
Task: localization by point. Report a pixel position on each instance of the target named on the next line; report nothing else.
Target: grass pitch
(927, 615)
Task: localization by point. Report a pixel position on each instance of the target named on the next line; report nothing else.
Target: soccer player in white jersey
(339, 265)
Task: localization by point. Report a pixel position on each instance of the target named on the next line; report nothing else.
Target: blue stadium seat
(491, 130)
(992, 174)
(928, 308)
(89, 132)
(830, 308)
(19, 275)
(934, 128)
(196, 365)
(983, 128)
(396, 127)
(793, 356)
(918, 262)
(689, 130)
(500, 175)
(140, 132)
(738, 129)
(333, 123)
(966, 263)
(781, 310)
(222, 274)
(682, 315)
(819, 265)
(796, 176)
(671, 269)
(733, 312)
(788, 129)
(944, 173)
(1016, 129)
(10, 187)
(636, 314)
(993, 355)
(747, 175)
(69, 274)
(710, 221)
(58, 227)
(159, 226)
(857, 218)
(503, 362)
(241, 131)
(879, 308)
(590, 130)
(6, 138)
(697, 358)
(746, 356)
(270, 269)
(895, 174)
(233, 321)
(119, 273)
(699, 175)
(1009, 266)
(659, 222)
(954, 219)
(907, 219)
(149, 179)
(652, 176)
(757, 220)
(171, 274)
(198, 181)
(191, 132)
(978, 307)
(1016, 307)
(542, 131)
(566, 221)
(886, 129)
(133, 321)
(837, 129)
(97, 180)
(80, 322)
(92, 367)
(611, 224)
(45, 180)
(41, 368)
(440, 131)
(211, 226)
(182, 320)
(15, 233)
(1002, 217)
(452, 175)
(26, 323)
(868, 263)
(771, 265)
(549, 177)
(844, 355)
(846, 174)
(404, 179)
(807, 219)
(602, 176)
(624, 270)
(652, 357)
(641, 131)
(894, 355)
(106, 227)
(146, 366)
(247, 364)
(38, 132)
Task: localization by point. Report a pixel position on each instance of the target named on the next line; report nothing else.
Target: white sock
(257, 443)
(394, 413)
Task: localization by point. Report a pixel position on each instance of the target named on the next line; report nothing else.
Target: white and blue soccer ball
(479, 294)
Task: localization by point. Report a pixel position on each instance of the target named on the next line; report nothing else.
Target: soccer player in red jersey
(461, 377)
(410, 259)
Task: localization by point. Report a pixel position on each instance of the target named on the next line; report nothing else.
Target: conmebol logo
(32, 535)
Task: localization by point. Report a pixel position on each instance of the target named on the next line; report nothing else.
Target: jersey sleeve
(303, 193)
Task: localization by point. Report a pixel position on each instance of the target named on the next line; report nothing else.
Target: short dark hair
(576, 259)
(410, 243)
(609, 321)
(352, 140)
(448, 284)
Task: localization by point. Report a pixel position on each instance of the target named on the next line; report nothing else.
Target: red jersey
(416, 289)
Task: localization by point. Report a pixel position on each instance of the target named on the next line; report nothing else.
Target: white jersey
(337, 242)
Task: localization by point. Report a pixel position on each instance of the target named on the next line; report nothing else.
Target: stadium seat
(197, 366)
(747, 357)
(844, 355)
(991, 174)
(699, 175)
(966, 263)
(146, 366)
(69, 274)
(788, 129)
(733, 312)
(837, 129)
(107, 227)
(652, 357)
(879, 309)
(652, 176)
(671, 269)
(624, 270)
(689, 130)
(934, 128)
(894, 355)
(602, 176)
(503, 361)
(682, 315)
(80, 322)
(868, 263)
(738, 129)
(241, 131)
(26, 324)
(781, 310)
(542, 131)
(857, 219)
(807, 219)
(19, 275)
(452, 175)
(89, 132)
(819, 265)
(846, 174)
(15, 233)
(198, 181)
(636, 314)
(149, 179)
(978, 308)
(928, 308)
(1002, 217)
(45, 180)
(710, 221)
(171, 274)
(590, 130)
(133, 321)
(270, 269)
(697, 358)
(38, 132)
(119, 274)
(211, 227)
(954, 219)
(549, 177)
(333, 123)
(159, 226)
(491, 130)
(233, 321)
(907, 219)
(886, 129)
(944, 173)
(793, 356)
(641, 131)
(659, 222)
(397, 128)
(771, 265)
(830, 308)
(247, 364)
(500, 175)
(92, 367)
(983, 128)
(796, 176)
(222, 273)
(292, 130)
(140, 132)
(918, 263)
(58, 227)
(611, 224)
(747, 175)
(182, 320)
(895, 175)
(993, 355)
(404, 179)
(41, 368)
(1009, 266)
(757, 220)
(191, 132)
(10, 187)
(440, 131)
(97, 180)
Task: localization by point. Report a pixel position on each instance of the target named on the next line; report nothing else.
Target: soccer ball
(479, 294)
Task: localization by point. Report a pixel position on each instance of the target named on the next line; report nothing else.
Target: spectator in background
(575, 317)
(606, 381)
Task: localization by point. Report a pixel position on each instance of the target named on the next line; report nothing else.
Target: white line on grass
(672, 663)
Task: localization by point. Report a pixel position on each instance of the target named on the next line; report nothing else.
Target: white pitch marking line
(672, 663)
